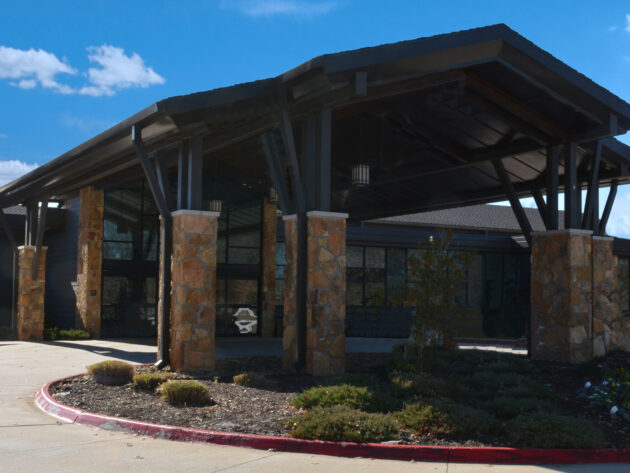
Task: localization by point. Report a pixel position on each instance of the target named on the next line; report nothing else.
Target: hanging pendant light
(360, 175)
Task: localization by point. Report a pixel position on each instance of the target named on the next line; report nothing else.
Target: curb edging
(496, 455)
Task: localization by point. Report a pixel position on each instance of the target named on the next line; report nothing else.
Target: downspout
(166, 249)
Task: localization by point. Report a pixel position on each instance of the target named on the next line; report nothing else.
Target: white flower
(614, 410)
(587, 385)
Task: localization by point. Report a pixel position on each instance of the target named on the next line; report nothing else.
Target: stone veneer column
(193, 309)
(30, 303)
(90, 260)
(606, 314)
(269, 235)
(326, 293)
(289, 319)
(562, 288)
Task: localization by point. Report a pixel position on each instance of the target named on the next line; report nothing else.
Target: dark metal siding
(61, 269)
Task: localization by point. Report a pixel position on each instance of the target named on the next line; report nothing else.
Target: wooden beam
(551, 177)
(571, 209)
(517, 208)
(542, 207)
(593, 189)
(608, 208)
(41, 227)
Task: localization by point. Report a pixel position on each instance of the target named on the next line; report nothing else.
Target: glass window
(375, 257)
(396, 274)
(118, 250)
(243, 255)
(354, 256)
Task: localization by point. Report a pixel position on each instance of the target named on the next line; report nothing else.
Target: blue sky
(71, 69)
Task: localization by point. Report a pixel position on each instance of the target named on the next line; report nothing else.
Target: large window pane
(354, 256)
(374, 257)
(117, 251)
(243, 255)
(396, 274)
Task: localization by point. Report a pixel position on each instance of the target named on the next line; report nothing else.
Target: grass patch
(342, 424)
(150, 381)
(544, 430)
(248, 379)
(185, 392)
(446, 419)
(118, 370)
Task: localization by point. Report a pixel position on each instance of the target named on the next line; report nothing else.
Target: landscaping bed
(449, 398)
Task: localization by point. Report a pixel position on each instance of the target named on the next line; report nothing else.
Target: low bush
(488, 385)
(185, 392)
(425, 386)
(150, 381)
(54, 333)
(509, 407)
(544, 430)
(115, 369)
(248, 379)
(446, 419)
(342, 424)
(377, 398)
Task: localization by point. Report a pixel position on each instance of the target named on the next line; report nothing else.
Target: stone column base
(193, 311)
(30, 303)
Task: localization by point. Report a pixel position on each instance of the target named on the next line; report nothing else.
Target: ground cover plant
(54, 333)
(111, 372)
(445, 397)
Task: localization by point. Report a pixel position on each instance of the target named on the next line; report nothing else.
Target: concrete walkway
(31, 441)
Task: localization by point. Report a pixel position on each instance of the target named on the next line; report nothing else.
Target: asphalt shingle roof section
(475, 217)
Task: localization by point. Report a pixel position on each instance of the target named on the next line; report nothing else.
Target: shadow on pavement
(110, 352)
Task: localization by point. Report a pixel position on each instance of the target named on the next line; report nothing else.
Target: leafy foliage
(150, 381)
(54, 333)
(505, 407)
(544, 430)
(185, 392)
(342, 424)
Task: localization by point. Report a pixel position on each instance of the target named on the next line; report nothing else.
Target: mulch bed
(265, 410)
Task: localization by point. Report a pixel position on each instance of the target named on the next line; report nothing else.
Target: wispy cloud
(86, 125)
(3, 135)
(117, 71)
(12, 169)
(267, 8)
(28, 69)
(612, 28)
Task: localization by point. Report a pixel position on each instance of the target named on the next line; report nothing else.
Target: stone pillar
(193, 310)
(606, 313)
(289, 319)
(90, 260)
(325, 293)
(269, 231)
(30, 302)
(561, 317)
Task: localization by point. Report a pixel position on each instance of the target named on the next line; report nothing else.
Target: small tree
(436, 273)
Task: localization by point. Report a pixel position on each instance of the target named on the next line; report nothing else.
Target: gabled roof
(554, 103)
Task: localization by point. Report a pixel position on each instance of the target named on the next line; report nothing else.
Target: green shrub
(185, 392)
(326, 396)
(342, 424)
(419, 385)
(73, 334)
(487, 385)
(446, 419)
(544, 430)
(51, 333)
(509, 407)
(150, 381)
(112, 369)
(248, 379)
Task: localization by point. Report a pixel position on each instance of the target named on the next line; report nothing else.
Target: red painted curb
(496, 455)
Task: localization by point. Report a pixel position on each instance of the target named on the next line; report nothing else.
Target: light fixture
(273, 195)
(360, 175)
(215, 205)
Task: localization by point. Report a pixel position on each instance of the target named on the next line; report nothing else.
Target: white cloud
(33, 66)
(12, 169)
(612, 28)
(27, 69)
(117, 71)
(628, 22)
(300, 8)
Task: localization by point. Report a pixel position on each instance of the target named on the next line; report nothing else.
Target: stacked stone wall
(607, 323)
(193, 310)
(90, 260)
(31, 292)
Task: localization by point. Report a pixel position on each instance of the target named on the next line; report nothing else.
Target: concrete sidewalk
(31, 441)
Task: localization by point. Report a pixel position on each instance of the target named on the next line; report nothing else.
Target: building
(336, 145)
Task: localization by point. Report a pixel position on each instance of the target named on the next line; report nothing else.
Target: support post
(41, 226)
(553, 153)
(571, 208)
(195, 173)
(608, 208)
(517, 208)
(182, 176)
(269, 236)
(593, 189)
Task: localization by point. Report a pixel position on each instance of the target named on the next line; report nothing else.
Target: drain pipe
(166, 248)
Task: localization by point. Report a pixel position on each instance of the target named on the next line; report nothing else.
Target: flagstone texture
(30, 302)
